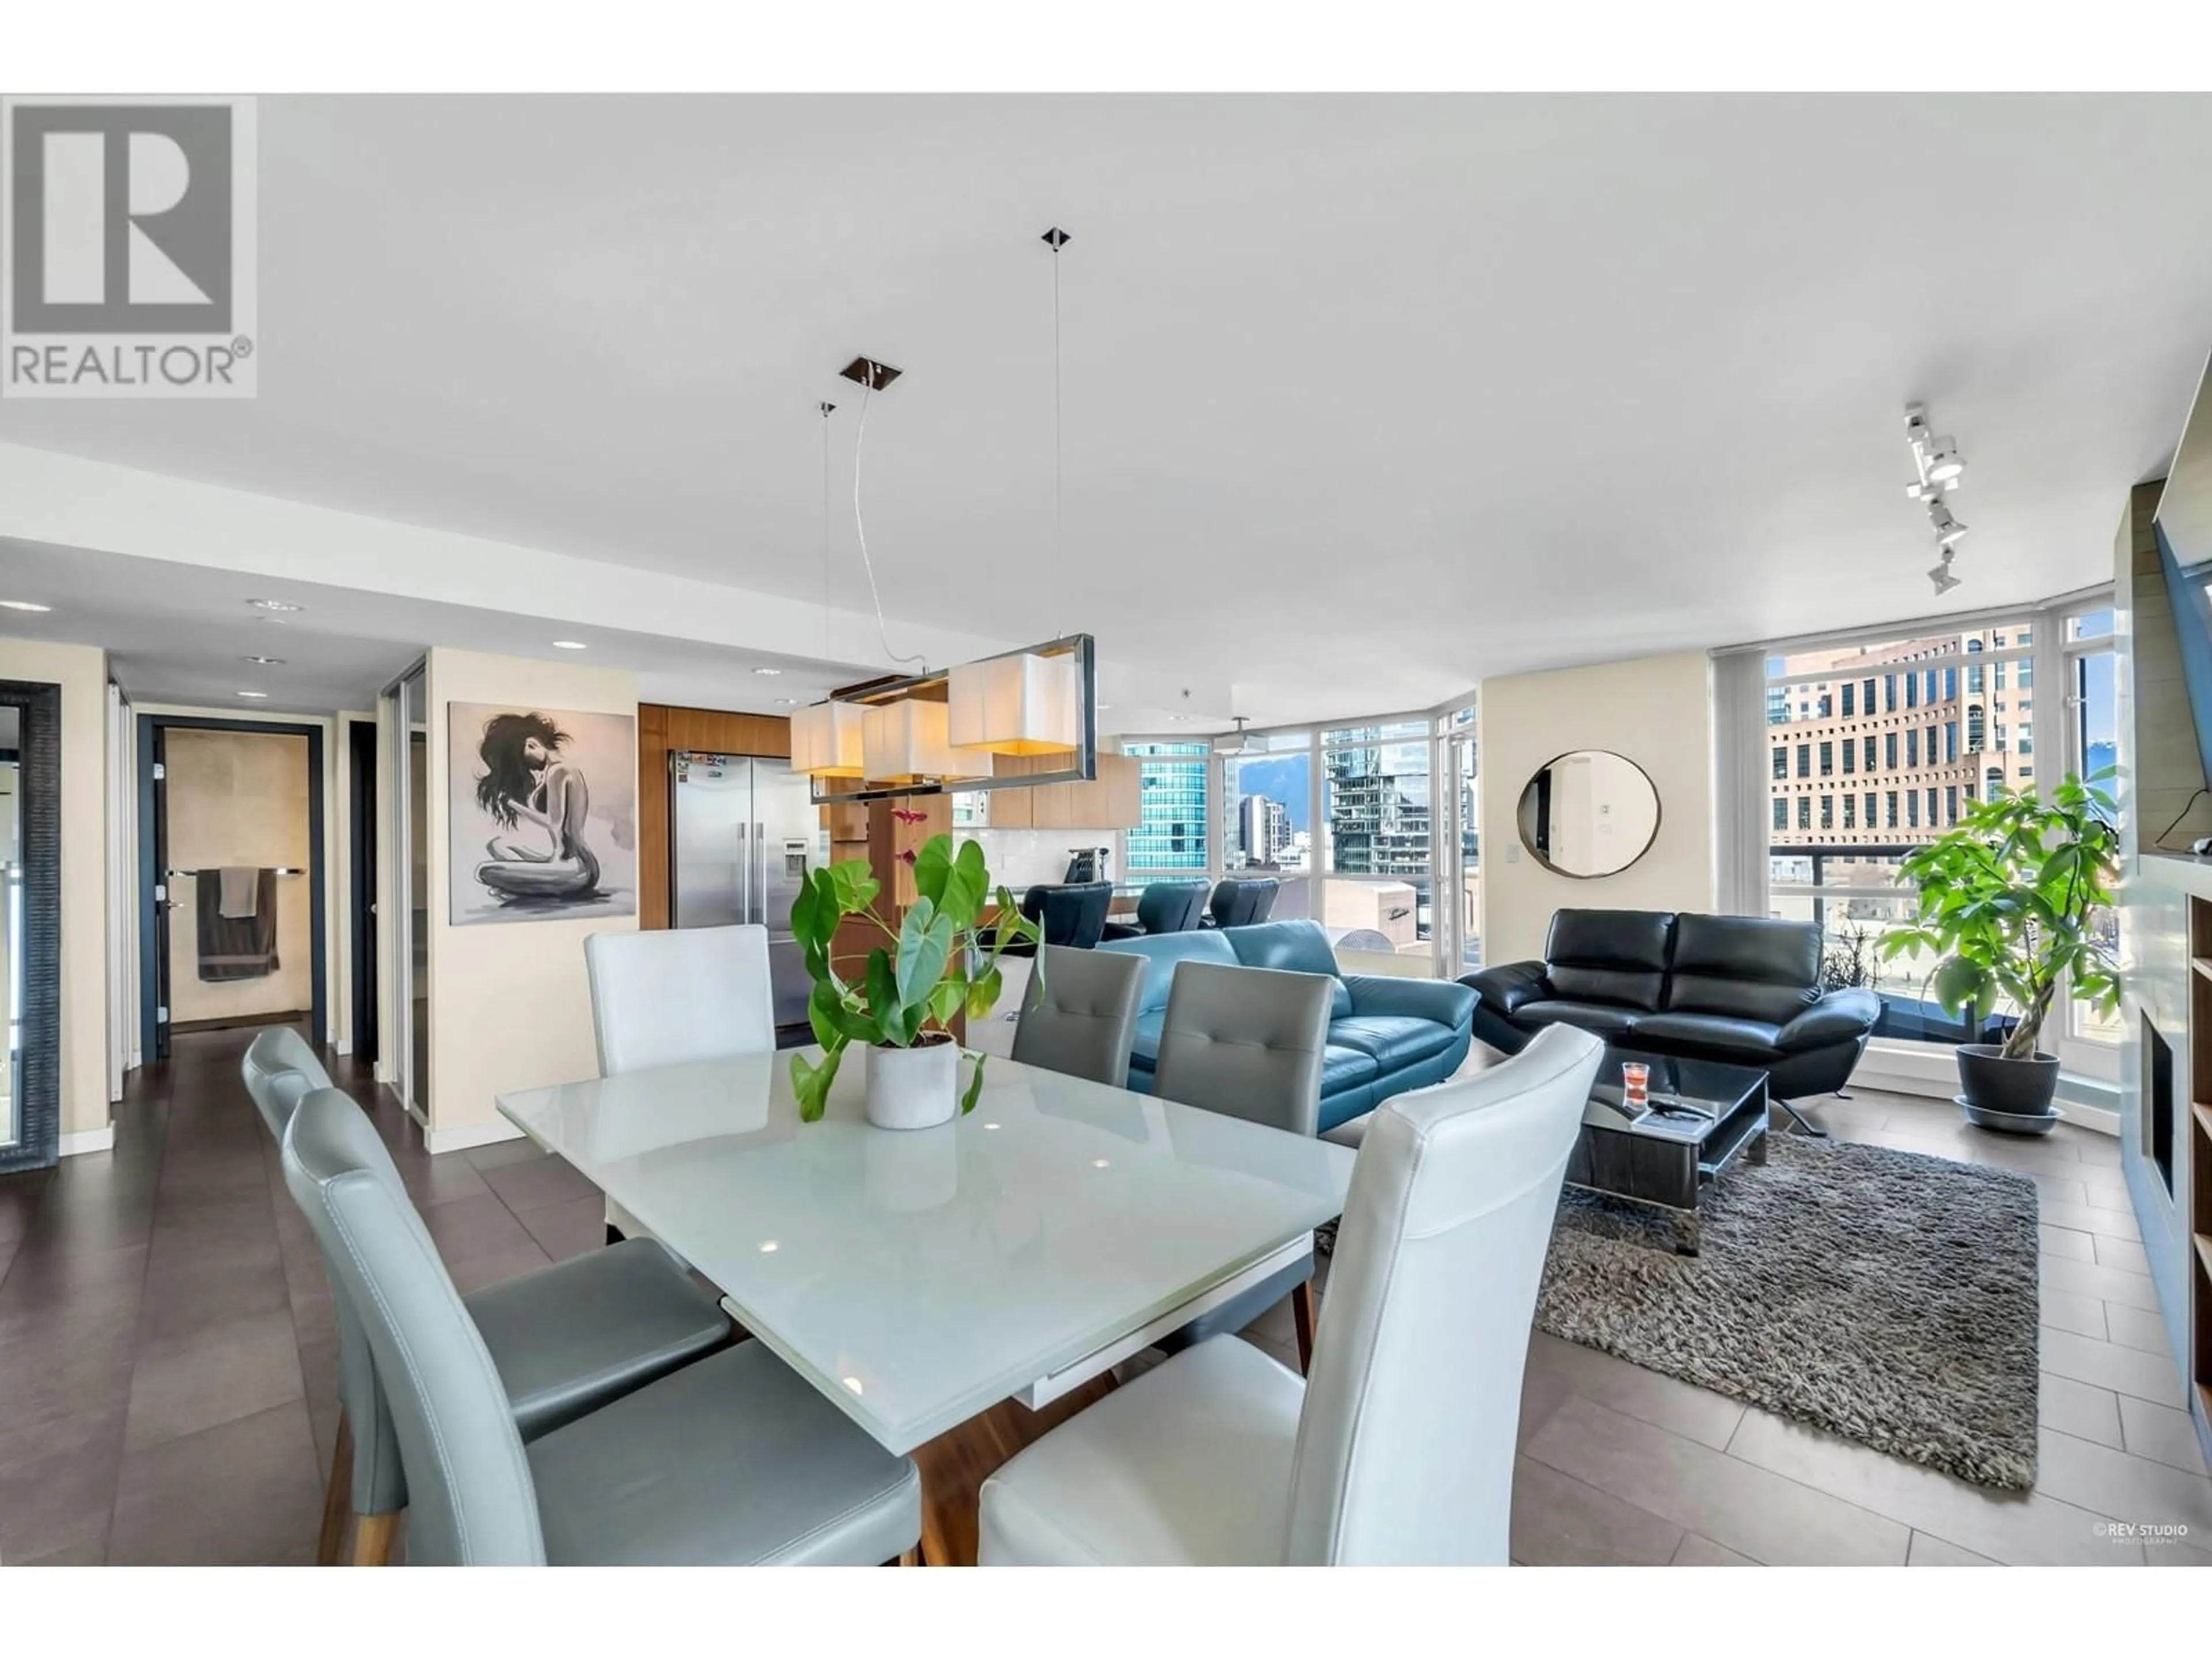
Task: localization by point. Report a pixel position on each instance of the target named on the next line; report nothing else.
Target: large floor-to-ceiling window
(1378, 841)
(1349, 818)
(1878, 745)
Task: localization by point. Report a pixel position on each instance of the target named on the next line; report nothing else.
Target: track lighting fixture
(1937, 467)
(1936, 460)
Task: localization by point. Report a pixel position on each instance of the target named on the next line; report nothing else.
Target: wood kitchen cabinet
(846, 822)
(1107, 802)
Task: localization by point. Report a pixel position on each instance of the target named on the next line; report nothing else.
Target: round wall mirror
(1589, 813)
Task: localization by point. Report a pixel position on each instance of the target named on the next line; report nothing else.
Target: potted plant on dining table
(938, 964)
(2009, 902)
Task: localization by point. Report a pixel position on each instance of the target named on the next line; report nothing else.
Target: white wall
(81, 670)
(1657, 712)
(509, 1005)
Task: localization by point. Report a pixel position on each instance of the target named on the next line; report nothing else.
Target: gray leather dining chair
(670, 996)
(1398, 1449)
(1078, 1013)
(565, 1340)
(734, 1461)
(1247, 1042)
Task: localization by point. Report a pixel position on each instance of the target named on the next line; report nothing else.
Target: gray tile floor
(167, 1365)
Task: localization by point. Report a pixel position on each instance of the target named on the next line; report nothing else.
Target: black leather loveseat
(1736, 990)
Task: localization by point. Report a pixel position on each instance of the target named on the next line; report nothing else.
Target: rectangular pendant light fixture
(938, 731)
(1023, 704)
(904, 741)
(825, 740)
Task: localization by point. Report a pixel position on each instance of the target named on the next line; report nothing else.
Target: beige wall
(81, 670)
(239, 798)
(1657, 712)
(508, 1004)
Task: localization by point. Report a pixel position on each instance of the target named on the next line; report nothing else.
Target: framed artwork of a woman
(542, 811)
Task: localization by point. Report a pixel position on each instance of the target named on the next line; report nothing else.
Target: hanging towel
(241, 892)
(242, 947)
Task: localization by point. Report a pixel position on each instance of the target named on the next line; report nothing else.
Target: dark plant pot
(2008, 1088)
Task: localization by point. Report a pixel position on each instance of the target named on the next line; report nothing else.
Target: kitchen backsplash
(1024, 858)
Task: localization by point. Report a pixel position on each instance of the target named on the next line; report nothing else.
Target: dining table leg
(338, 1497)
(955, 1465)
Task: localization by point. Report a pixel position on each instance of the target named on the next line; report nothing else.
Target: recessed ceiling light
(23, 604)
(1178, 719)
(257, 696)
(789, 702)
(275, 604)
(266, 662)
(570, 645)
(768, 671)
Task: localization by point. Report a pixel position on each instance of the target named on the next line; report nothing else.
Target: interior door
(165, 892)
(362, 842)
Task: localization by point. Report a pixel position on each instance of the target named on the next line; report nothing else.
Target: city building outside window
(1377, 804)
(1781, 762)
(1171, 836)
(1839, 868)
(1827, 759)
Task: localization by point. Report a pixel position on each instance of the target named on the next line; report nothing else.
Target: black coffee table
(1700, 1117)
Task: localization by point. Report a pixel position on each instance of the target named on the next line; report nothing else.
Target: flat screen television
(2182, 525)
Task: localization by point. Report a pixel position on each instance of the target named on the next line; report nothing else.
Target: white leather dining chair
(1398, 1449)
(670, 996)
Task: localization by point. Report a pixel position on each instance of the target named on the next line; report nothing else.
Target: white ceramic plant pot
(916, 1088)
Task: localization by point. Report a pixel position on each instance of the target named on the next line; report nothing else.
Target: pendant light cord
(827, 409)
(860, 529)
(1059, 558)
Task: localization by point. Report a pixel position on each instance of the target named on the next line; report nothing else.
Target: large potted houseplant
(2008, 900)
(938, 964)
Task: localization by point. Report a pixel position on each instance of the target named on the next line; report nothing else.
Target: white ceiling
(182, 633)
(1365, 397)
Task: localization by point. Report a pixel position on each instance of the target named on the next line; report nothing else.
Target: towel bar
(211, 872)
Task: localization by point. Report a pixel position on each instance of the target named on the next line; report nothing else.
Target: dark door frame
(153, 920)
(361, 862)
(38, 1140)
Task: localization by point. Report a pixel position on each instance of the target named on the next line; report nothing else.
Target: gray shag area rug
(1883, 1295)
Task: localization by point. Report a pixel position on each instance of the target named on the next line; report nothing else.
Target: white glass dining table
(920, 1277)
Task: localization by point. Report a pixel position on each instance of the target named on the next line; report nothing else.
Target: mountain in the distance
(1287, 779)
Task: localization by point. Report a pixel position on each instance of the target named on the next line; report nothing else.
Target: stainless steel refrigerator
(745, 834)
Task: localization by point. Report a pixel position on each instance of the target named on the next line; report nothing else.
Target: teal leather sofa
(1386, 1034)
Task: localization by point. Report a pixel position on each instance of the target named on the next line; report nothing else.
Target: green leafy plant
(2008, 905)
(937, 964)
